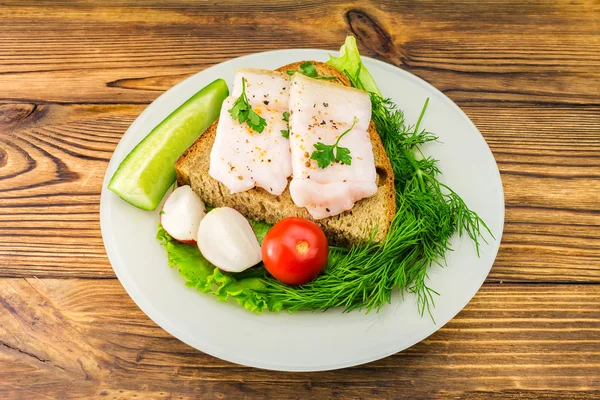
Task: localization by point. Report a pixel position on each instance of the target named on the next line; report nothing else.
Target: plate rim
(165, 324)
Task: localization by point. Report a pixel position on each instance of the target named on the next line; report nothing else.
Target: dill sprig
(428, 214)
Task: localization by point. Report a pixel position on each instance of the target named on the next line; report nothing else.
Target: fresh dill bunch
(441, 211)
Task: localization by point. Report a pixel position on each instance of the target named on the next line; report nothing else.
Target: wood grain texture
(82, 338)
(473, 51)
(75, 74)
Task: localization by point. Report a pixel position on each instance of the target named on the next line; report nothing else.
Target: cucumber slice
(148, 171)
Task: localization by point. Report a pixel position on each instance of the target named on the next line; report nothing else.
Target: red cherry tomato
(295, 251)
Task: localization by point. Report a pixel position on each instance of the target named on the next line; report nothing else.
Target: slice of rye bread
(345, 229)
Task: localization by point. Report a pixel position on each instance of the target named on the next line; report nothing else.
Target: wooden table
(74, 75)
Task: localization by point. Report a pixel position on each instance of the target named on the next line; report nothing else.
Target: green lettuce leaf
(247, 287)
(260, 229)
(349, 63)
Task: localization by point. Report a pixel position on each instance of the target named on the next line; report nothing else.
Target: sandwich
(278, 170)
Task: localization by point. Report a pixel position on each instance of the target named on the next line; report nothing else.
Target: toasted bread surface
(348, 228)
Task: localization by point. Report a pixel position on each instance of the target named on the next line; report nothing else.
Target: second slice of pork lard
(242, 158)
(320, 112)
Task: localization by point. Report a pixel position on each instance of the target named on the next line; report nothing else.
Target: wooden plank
(552, 227)
(52, 163)
(71, 338)
(510, 51)
(53, 158)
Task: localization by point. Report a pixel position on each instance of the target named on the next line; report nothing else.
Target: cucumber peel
(145, 175)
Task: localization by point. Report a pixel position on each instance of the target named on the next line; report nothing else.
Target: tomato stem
(302, 247)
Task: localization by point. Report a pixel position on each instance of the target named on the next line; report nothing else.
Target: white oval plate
(308, 341)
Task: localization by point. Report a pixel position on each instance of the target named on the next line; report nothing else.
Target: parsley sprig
(286, 132)
(242, 111)
(308, 69)
(326, 154)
